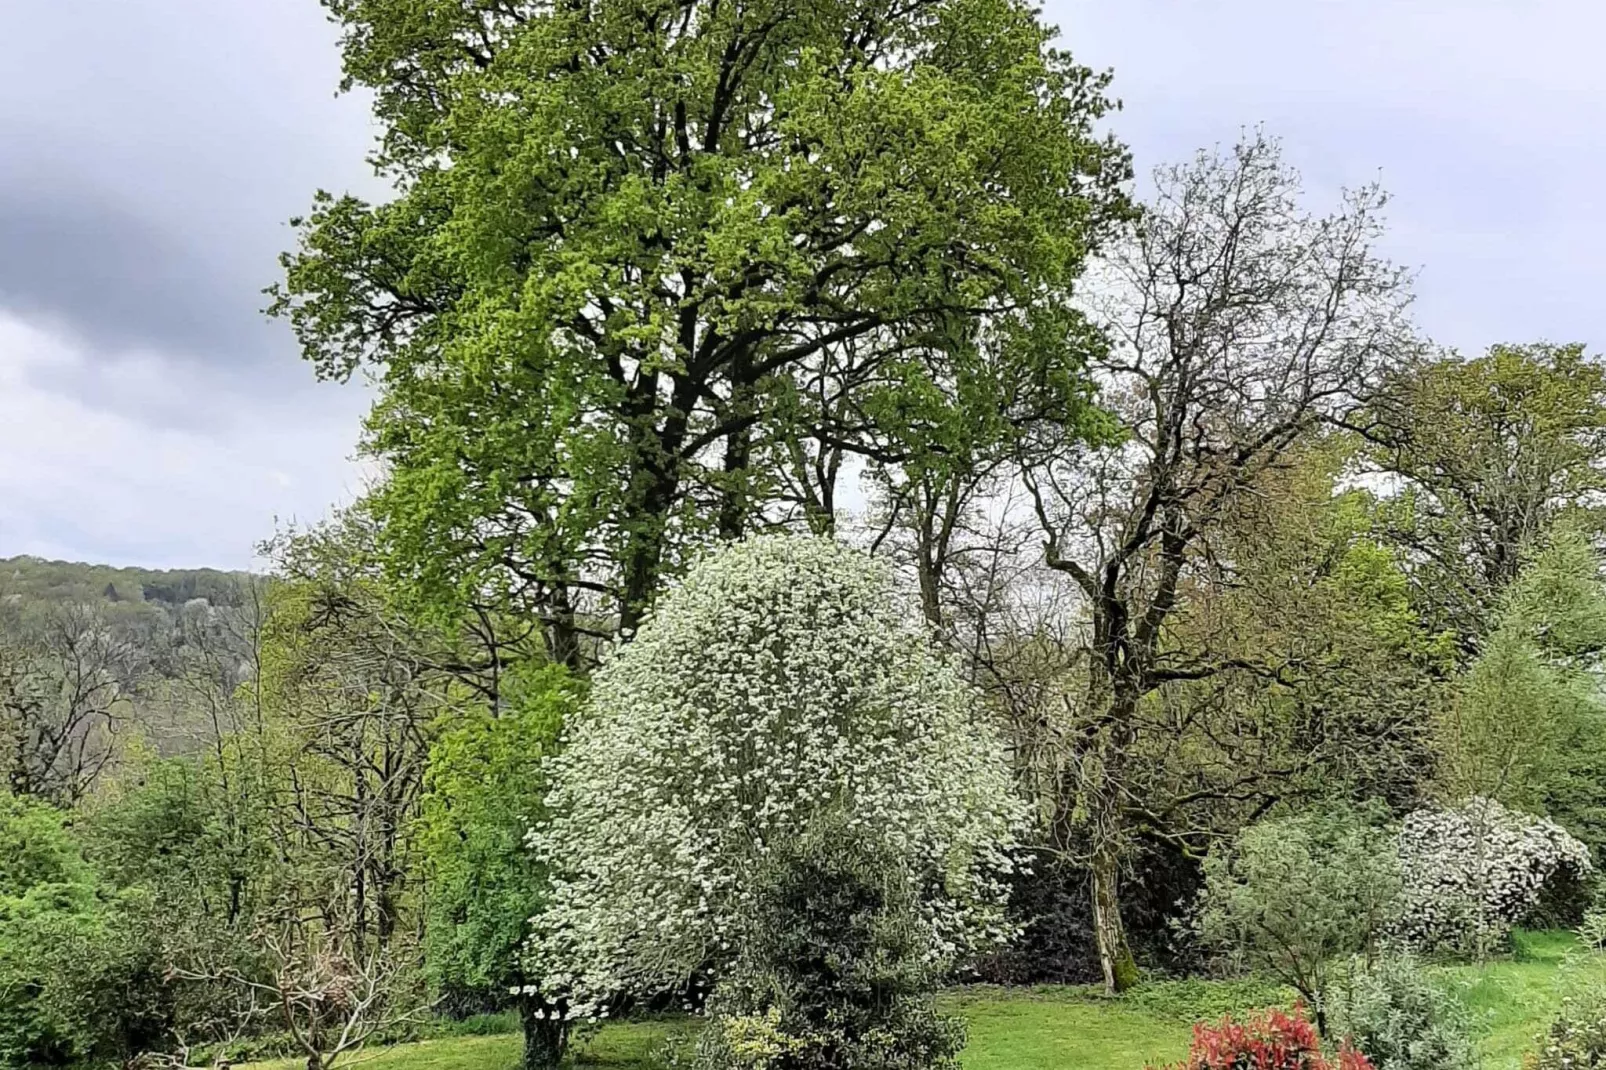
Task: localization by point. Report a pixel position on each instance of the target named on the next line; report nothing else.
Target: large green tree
(1491, 451)
(656, 268)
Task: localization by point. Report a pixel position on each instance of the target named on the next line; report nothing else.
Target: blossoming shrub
(1394, 1013)
(784, 679)
(1269, 1040)
(1471, 873)
(833, 969)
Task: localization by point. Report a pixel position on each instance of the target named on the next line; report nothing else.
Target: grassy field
(1078, 1029)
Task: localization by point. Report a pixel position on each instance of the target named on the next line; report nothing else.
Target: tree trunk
(562, 638)
(1115, 957)
(644, 552)
(930, 593)
(733, 506)
(544, 1038)
(654, 485)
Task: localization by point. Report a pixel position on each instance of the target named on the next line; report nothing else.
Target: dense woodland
(827, 504)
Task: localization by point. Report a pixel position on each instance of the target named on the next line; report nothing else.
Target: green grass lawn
(1077, 1028)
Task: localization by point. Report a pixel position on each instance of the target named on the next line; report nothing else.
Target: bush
(785, 679)
(1269, 1040)
(1472, 873)
(1400, 1019)
(834, 970)
(1592, 926)
(80, 978)
(1294, 893)
(1576, 1039)
(485, 788)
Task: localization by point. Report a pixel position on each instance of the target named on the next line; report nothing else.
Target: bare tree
(66, 678)
(328, 994)
(1238, 325)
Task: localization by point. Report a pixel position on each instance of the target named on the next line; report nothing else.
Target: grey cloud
(120, 281)
(150, 154)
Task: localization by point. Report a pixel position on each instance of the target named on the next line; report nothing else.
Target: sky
(151, 152)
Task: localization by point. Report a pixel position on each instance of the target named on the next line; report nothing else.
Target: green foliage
(484, 790)
(1294, 893)
(1592, 926)
(645, 257)
(80, 977)
(37, 582)
(1493, 451)
(833, 969)
(1401, 1019)
(1526, 725)
(36, 850)
(1576, 1039)
(1343, 676)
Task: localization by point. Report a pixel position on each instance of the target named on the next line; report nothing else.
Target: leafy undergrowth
(1078, 1028)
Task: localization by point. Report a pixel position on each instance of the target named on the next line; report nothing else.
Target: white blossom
(785, 676)
(1471, 873)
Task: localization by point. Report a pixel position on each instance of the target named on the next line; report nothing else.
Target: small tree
(833, 969)
(1295, 893)
(786, 679)
(329, 995)
(1525, 724)
(485, 788)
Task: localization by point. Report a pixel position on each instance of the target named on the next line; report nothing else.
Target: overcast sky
(151, 150)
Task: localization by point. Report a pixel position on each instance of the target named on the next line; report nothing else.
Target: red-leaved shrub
(1269, 1040)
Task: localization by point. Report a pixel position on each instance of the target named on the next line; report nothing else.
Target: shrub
(1390, 1010)
(1576, 1039)
(1269, 1040)
(80, 979)
(1592, 927)
(786, 678)
(1473, 872)
(1294, 893)
(834, 970)
(484, 789)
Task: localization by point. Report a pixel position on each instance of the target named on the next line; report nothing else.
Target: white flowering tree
(1470, 873)
(788, 678)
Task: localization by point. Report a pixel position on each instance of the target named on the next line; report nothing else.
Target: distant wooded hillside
(37, 581)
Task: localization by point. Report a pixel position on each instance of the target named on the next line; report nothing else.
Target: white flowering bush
(1469, 874)
(785, 678)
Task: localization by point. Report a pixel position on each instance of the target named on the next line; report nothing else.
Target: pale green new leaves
(786, 676)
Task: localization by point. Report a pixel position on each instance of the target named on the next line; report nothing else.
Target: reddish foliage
(1269, 1040)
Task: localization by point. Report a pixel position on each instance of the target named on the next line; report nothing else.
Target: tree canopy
(655, 267)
